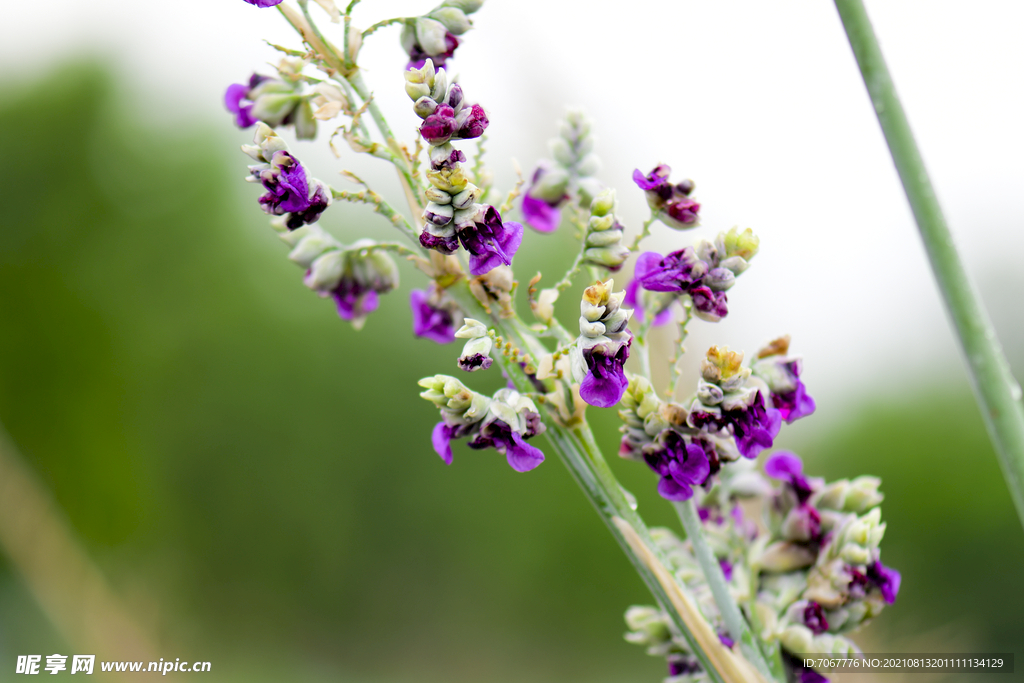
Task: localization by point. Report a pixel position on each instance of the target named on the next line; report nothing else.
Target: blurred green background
(256, 480)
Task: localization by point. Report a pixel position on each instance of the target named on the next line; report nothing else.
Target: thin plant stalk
(997, 392)
(737, 626)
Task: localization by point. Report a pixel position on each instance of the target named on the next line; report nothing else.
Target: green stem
(676, 371)
(381, 24)
(644, 233)
(997, 392)
(737, 626)
(404, 170)
(380, 206)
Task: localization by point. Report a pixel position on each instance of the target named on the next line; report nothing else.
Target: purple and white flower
(682, 463)
(490, 241)
(782, 375)
(432, 318)
(670, 202)
(601, 350)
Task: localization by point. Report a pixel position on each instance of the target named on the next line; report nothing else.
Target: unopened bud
(453, 18)
(325, 272)
(430, 34)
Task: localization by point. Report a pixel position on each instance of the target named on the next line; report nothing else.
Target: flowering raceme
(776, 564)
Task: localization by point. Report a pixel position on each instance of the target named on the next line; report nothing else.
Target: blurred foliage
(257, 479)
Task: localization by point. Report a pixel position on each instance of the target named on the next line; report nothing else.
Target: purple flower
(418, 57)
(788, 467)
(490, 242)
(677, 272)
(540, 215)
(814, 618)
(782, 375)
(477, 361)
(286, 185)
(471, 122)
(635, 301)
(726, 566)
(672, 202)
(708, 305)
(265, 3)
(606, 381)
(439, 127)
(429, 321)
(682, 271)
(445, 245)
(442, 437)
(886, 578)
(680, 464)
(755, 427)
(498, 435)
(795, 403)
(725, 639)
(547, 192)
(354, 300)
(237, 101)
(318, 203)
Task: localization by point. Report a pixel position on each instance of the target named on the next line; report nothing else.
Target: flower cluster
(800, 558)
(274, 101)
(452, 214)
(432, 37)
(601, 350)
(729, 401)
(703, 272)
(503, 422)
(569, 173)
(804, 586)
(353, 276)
(291, 193)
(657, 433)
(670, 203)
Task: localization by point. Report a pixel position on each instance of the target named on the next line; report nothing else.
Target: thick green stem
(737, 626)
(997, 392)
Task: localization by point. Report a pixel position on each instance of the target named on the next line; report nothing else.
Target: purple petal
(654, 180)
(794, 404)
(670, 489)
(726, 640)
(431, 323)
(651, 274)
(606, 382)
(441, 437)
(812, 676)
(506, 247)
(683, 210)
(522, 456)
(783, 465)
(265, 3)
(726, 566)
(886, 578)
(694, 470)
(540, 215)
